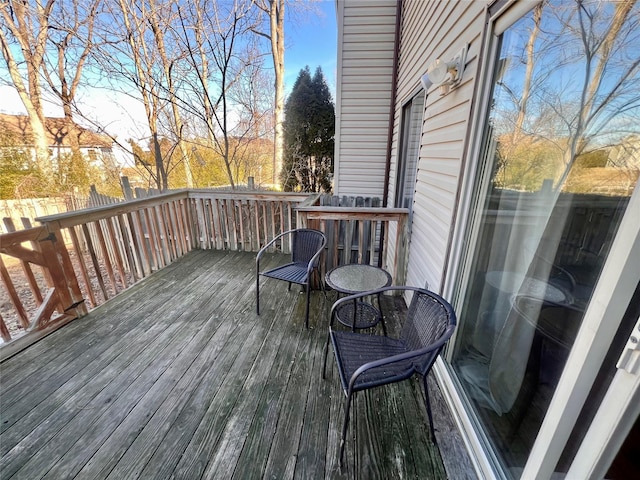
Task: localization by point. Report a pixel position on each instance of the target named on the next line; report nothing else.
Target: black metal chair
(366, 361)
(306, 246)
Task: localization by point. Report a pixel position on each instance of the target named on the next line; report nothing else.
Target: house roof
(19, 127)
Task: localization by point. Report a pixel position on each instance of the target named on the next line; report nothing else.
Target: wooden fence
(37, 207)
(105, 250)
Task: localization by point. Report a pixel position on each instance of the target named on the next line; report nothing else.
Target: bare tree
(274, 9)
(596, 98)
(27, 25)
(130, 55)
(221, 62)
(71, 35)
(160, 21)
(580, 72)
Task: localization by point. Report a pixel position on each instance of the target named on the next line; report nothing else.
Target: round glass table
(358, 278)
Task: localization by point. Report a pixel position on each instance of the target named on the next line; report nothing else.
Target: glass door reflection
(558, 166)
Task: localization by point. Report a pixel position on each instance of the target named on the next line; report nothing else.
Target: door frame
(601, 321)
(614, 419)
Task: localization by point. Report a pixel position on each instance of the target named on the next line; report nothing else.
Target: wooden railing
(242, 220)
(372, 235)
(57, 296)
(85, 257)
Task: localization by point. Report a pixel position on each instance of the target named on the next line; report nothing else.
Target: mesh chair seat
(292, 272)
(354, 350)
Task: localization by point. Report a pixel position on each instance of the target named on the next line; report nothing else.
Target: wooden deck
(178, 377)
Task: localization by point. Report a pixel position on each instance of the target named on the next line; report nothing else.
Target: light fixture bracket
(446, 75)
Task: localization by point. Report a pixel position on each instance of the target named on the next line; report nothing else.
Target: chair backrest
(306, 243)
(430, 319)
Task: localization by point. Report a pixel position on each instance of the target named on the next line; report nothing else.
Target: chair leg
(324, 356)
(306, 319)
(384, 325)
(345, 425)
(427, 403)
(258, 294)
(322, 284)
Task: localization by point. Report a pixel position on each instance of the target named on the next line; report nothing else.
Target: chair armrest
(271, 242)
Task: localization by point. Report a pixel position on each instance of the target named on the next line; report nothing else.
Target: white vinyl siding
(433, 30)
(366, 33)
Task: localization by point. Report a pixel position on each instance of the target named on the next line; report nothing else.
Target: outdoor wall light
(445, 74)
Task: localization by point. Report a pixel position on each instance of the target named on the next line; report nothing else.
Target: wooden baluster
(94, 260)
(26, 268)
(179, 213)
(72, 286)
(154, 261)
(166, 222)
(136, 250)
(13, 295)
(4, 331)
(161, 234)
(105, 255)
(264, 222)
(127, 245)
(142, 239)
(83, 267)
(117, 252)
(240, 225)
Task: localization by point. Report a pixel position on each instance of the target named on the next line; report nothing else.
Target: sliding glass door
(559, 161)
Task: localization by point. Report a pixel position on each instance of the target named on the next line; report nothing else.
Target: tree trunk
(593, 78)
(32, 44)
(276, 16)
(158, 33)
(73, 133)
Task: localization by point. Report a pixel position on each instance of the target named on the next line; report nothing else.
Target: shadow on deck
(178, 377)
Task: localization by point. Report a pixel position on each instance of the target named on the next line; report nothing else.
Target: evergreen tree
(309, 129)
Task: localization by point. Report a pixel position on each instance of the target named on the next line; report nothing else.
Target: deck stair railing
(58, 297)
(75, 261)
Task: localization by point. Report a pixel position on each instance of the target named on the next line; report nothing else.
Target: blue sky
(312, 41)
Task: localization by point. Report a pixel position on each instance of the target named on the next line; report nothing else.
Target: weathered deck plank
(179, 378)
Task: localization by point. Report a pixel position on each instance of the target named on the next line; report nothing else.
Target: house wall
(363, 94)
(432, 30)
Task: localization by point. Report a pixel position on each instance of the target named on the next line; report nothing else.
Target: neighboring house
(542, 375)
(94, 146)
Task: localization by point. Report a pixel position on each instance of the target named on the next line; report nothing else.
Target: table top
(513, 282)
(357, 278)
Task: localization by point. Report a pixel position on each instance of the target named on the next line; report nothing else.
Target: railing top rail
(285, 196)
(78, 217)
(312, 199)
(365, 213)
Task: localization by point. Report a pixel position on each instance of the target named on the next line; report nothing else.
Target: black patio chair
(366, 361)
(306, 247)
